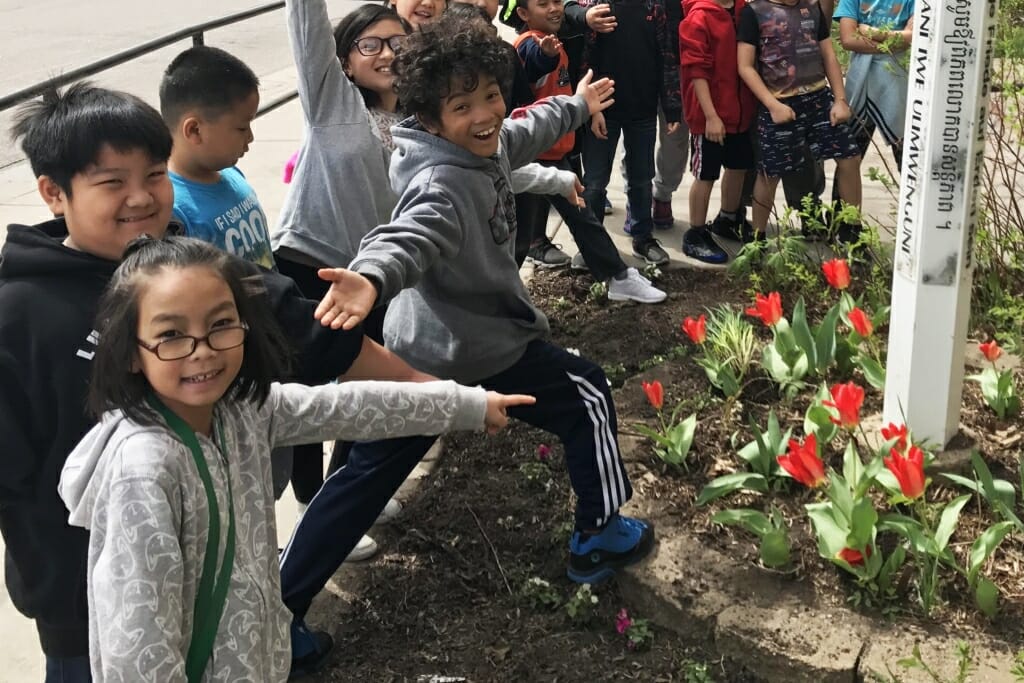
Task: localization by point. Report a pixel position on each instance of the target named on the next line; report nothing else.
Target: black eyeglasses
(176, 348)
(370, 46)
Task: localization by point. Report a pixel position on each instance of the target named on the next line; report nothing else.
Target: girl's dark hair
(467, 12)
(114, 385)
(353, 24)
(448, 50)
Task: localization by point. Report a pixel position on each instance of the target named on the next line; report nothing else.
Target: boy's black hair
(448, 50)
(204, 78)
(467, 12)
(62, 133)
(114, 385)
(354, 23)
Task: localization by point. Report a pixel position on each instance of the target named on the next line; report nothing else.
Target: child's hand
(601, 19)
(550, 45)
(714, 130)
(576, 196)
(496, 417)
(672, 128)
(840, 113)
(782, 113)
(597, 94)
(347, 302)
(599, 127)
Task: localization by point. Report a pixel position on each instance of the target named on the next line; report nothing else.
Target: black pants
(308, 459)
(599, 252)
(573, 403)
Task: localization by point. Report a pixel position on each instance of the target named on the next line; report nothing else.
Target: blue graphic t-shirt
(891, 15)
(226, 214)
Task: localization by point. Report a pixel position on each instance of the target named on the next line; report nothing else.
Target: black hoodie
(48, 299)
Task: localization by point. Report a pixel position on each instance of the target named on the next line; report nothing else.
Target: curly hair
(449, 51)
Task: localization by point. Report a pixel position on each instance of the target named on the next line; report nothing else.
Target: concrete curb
(772, 626)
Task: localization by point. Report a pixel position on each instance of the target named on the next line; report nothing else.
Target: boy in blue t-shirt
(875, 32)
(208, 99)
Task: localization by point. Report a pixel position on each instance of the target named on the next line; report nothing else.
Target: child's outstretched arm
(533, 129)
(360, 411)
(541, 179)
(327, 96)
(539, 56)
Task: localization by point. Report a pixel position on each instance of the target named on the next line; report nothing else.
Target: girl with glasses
(174, 482)
(339, 179)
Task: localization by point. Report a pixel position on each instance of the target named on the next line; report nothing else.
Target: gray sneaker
(544, 254)
(649, 249)
(634, 287)
(578, 264)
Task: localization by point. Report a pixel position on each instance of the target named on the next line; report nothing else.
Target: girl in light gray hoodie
(174, 482)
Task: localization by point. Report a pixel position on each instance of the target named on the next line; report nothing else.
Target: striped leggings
(573, 403)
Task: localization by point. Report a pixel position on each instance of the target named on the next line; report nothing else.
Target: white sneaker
(364, 550)
(634, 287)
(390, 511)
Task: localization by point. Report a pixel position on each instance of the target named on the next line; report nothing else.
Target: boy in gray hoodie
(457, 307)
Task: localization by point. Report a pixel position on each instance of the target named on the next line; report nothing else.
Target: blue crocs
(624, 541)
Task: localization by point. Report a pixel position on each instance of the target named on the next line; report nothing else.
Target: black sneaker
(649, 249)
(578, 264)
(698, 244)
(315, 647)
(849, 234)
(545, 254)
(623, 542)
(740, 230)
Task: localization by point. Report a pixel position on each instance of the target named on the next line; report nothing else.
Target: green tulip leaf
(730, 483)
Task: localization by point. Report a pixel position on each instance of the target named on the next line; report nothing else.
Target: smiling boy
(457, 307)
(100, 160)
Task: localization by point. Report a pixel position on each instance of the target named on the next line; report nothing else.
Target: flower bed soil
(445, 597)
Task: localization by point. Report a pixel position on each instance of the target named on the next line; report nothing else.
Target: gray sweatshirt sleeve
(136, 579)
(328, 97)
(536, 127)
(540, 179)
(362, 411)
(426, 228)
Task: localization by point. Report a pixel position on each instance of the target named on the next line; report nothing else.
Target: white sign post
(944, 146)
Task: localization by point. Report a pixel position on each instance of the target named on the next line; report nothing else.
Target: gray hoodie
(137, 490)
(445, 264)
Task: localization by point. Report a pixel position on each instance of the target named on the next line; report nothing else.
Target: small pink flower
(622, 621)
(543, 452)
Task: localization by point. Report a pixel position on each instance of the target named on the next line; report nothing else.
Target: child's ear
(52, 194)
(430, 126)
(521, 13)
(191, 129)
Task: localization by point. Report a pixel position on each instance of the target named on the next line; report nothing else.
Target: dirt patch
(446, 597)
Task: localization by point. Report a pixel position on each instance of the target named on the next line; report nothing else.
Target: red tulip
(767, 308)
(893, 431)
(860, 322)
(908, 470)
(853, 557)
(847, 399)
(543, 452)
(696, 329)
(655, 393)
(802, 462)
(991, 350)
(837, 272)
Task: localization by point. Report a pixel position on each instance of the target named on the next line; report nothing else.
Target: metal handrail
(196, 33)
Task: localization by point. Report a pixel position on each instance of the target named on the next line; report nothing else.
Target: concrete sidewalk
(278, 134)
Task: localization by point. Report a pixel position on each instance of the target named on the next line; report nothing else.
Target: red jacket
(707, 49)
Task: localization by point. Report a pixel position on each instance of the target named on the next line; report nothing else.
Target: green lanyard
(211, 595)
